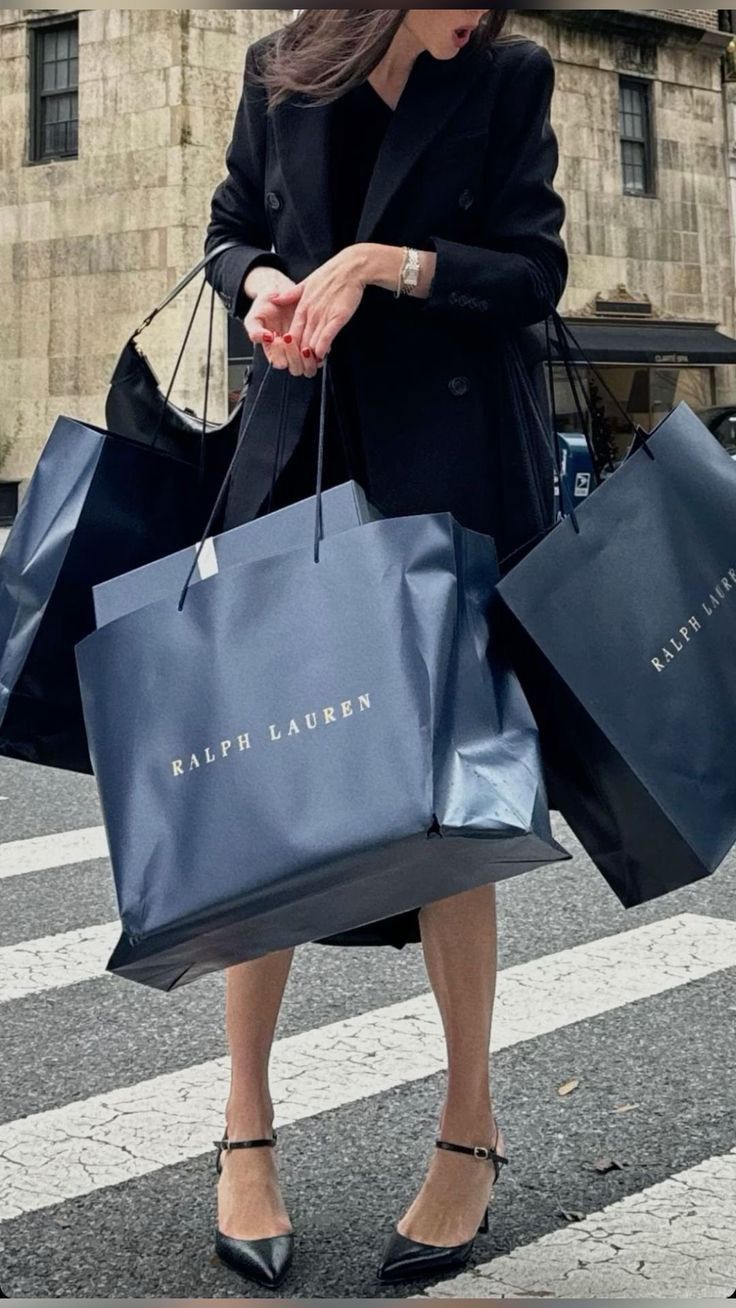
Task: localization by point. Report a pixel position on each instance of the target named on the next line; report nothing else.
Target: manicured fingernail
(306, 353)
(267, 336)
(286, 339)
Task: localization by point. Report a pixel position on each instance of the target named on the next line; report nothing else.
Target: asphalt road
(638, 1007)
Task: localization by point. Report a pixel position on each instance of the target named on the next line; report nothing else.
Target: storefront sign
(672, 358)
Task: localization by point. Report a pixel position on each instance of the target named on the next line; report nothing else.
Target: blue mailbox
(577, 468)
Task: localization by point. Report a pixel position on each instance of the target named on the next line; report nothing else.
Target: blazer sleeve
(237, 208)
(519, 273)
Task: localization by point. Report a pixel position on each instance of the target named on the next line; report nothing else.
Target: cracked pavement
(111, 1095)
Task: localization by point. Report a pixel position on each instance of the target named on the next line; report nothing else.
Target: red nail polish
(286, 339)
(267, 337)
(306, 353)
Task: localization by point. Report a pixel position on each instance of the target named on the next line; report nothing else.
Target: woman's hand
(324, 301)
(269, 324)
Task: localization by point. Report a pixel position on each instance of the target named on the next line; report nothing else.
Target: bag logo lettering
(346, 708)
(677, 643)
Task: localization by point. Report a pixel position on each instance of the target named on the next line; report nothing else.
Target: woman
(390, 180)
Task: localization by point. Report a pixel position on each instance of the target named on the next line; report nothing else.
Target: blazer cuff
(457, 284)
(495, 288)
(236, 264)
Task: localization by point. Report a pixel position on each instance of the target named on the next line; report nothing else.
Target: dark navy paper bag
(98, 504)
(624, 636)
(302, 747)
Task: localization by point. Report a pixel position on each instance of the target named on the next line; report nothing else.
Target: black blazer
(466, 169)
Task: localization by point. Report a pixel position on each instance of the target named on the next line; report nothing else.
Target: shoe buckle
(480, 1151)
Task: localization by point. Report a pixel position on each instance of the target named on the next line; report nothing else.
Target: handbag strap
(183, 281)
(189, 276)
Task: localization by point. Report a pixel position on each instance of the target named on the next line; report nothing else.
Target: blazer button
(273, 200)
(465, 199)
(452, 297)
(459, 385)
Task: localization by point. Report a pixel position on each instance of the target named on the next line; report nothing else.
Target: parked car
(720, 419)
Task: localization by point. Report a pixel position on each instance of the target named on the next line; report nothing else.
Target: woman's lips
(460, 35)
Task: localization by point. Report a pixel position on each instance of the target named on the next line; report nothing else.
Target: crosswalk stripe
(45, 853)
(52, 962)
(672, 1240)
(131, 1131)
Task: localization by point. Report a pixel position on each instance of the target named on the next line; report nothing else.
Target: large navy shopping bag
(623, 631)
(97, 505)
(309, 742)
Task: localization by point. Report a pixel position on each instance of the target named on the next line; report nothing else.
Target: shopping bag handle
(551, 437)
(565, 335)
(318, 522)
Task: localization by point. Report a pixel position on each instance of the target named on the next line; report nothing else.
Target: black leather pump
(410, 1260)
(265, 1261)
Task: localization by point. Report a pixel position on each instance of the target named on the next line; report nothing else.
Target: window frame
(37, 29)
(643, 85)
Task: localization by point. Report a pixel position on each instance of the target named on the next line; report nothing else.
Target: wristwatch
(408, 273)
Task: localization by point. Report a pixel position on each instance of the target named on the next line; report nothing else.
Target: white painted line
(53, 962)
(43, 853)
(674, 1240)
(111, 1138)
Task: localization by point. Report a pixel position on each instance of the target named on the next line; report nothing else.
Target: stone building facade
(651, 270)
(90, 243)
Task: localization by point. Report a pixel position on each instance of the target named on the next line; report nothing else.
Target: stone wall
(676, 246)
(89, 245)
(704, 18)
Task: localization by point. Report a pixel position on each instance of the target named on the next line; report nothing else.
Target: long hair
(323, 52)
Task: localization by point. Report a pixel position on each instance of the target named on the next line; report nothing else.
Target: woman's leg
(459, 942)
(250, 1206)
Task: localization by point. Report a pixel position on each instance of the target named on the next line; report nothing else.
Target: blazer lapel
(434, 89)
(302, 134)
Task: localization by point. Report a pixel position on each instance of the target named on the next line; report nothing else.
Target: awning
(652, 343)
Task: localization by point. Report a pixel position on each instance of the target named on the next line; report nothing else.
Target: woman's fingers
(284, 326)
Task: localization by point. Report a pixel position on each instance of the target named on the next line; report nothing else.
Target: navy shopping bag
(97, 505)
(622, 629)
(100, 502)
(308, 742)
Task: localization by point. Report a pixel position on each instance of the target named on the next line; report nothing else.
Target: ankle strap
(225, 1145)
(484, 1152)
(244, 1144)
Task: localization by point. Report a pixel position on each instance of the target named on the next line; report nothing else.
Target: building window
(645, 392)
(54, 91)
(636, 136)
